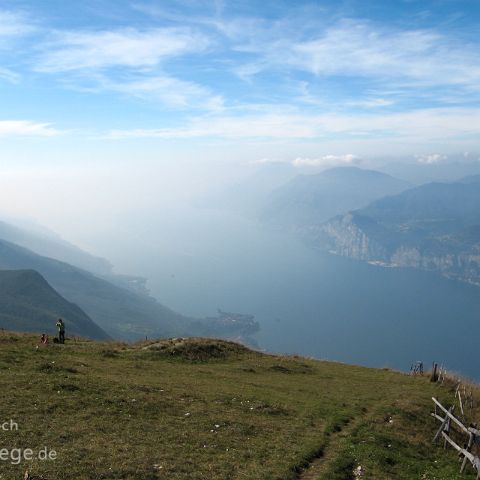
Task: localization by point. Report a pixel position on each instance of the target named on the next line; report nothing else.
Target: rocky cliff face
(433, 227)
(450, 256)
(344, 237)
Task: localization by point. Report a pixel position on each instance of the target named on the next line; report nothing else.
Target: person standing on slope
(61, 330)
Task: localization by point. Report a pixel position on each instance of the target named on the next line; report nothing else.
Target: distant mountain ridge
(120, 312)
(28, 303)
(433, 227)
(48, 244)
(308, 200)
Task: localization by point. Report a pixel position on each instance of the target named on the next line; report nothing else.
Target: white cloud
(355, 48)
(423, 125)
(261, 126)
(371, 103)
(135, 62)
(359, 49)
(431, 158)
(169, 90)
(26, 128)
(327, 161)
(9, 75)
(13, 24)
(131, 48)
(129, 61)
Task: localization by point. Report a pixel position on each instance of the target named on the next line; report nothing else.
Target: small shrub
(67, 387)
(109, 353)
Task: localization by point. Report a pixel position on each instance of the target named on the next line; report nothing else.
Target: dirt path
(320, 465)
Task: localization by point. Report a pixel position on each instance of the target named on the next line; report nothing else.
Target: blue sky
(276, 80)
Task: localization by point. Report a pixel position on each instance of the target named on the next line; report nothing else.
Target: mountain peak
(309, 200)
(435, 226)
(352, 170)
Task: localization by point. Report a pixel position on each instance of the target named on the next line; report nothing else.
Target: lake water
(308, 302)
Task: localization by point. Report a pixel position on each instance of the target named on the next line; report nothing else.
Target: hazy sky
(119, 101)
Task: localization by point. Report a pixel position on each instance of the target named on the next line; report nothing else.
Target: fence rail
(449, 420)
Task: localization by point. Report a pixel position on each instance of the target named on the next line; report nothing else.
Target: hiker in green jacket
(61, 330)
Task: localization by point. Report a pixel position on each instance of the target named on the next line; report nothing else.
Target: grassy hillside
(120, 312)
(205, 409)
(29, 303)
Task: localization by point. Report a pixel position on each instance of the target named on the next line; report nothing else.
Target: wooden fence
(451, 429)
(463, 391)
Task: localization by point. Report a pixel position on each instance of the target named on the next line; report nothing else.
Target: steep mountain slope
(308, 200)
(120, 312)
(47, 243)
(434, 227)
(29, 303)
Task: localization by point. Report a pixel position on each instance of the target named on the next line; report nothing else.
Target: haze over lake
(306, 301)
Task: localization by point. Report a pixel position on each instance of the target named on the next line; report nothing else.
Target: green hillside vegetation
(120, 312)
(207, 409)
(433, 227)
(29, 303)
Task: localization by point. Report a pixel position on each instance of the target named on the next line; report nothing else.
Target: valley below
(307, 301)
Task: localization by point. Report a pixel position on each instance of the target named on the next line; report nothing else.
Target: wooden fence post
(444, 427)
(450, 420)
(471, 438)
